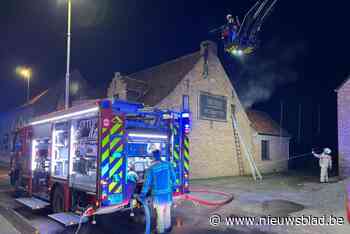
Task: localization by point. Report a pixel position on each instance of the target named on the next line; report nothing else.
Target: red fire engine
(78, 158)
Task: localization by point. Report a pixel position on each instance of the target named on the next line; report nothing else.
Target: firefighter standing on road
(325, 161)
(160, 179)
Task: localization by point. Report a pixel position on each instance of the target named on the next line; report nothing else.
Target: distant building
(343, 98)
(223, 135)
(47, 101)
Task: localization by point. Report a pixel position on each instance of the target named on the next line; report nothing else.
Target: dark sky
(129, 35)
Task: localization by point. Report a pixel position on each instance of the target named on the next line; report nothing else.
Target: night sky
(306, 41)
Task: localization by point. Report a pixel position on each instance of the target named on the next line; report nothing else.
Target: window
(84, 152)
(185, 103)
(265, 150)
(60, 147)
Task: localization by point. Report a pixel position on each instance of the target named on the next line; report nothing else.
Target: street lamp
(26, 73)
(69, 2)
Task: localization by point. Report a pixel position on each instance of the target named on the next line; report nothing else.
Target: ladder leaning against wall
(238, 142)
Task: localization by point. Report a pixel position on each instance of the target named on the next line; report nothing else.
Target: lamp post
(26, 73)
(68, 52)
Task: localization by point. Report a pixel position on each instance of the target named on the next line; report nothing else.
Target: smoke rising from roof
(259, 76)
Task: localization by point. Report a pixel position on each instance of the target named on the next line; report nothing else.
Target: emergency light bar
(185, 115)
(155, 136)
(91, 110)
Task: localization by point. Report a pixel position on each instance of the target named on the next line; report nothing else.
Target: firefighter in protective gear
(160, 179)
(325, 162)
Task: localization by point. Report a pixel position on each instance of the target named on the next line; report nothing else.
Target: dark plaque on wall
(212, 107)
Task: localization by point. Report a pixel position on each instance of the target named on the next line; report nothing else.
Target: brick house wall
(343, 99)
(213, 152)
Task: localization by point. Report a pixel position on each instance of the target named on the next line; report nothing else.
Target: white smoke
(262, 74)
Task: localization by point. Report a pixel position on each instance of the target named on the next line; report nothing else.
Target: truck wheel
(57, 202)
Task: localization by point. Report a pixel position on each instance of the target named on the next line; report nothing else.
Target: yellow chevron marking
(187, 166)
(114, 142)
(115, 128)
(105, 141)
(111, 186)
(176, 155)
(105, 155)
(116, 167)
(186, 154)
(186, 142)
(120, 148)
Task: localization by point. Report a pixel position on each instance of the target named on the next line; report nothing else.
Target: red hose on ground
(228, 197)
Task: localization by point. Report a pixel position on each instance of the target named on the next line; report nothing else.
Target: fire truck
(79, 158)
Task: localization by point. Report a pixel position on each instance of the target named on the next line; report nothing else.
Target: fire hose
(227, 197)
(145, 204)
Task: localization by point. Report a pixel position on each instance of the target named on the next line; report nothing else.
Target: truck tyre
(57, 202)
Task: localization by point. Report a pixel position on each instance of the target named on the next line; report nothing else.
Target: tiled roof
(342, 84)
(162, 79)
(264, 124)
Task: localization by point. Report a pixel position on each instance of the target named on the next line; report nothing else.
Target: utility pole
(299, 123)
(28, 89)
(68, 53)
(281, 125)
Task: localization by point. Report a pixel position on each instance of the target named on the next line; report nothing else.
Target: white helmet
(229, 16)
(327, 150)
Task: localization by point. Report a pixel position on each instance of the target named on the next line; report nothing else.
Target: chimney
(117, 87)
(210, 46)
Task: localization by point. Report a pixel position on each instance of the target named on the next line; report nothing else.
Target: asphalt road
(187, 218)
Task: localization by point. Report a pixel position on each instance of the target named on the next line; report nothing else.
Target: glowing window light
(91, 110)
(34, 145)
(156, 136)
(71, 154)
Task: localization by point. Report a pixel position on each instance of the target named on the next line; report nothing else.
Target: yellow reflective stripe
(117, 119)
(120, 148)
(187, 166)
(105, 141)
(186, 154)
(111, 186)
(104, 130)
(176, 155)
(116, 167)
(115, 128)
(114, 142)
(119, 190)
(186, 142)
(105, 155)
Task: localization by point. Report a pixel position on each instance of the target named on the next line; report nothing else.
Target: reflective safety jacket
(160, 179)
(325, 160)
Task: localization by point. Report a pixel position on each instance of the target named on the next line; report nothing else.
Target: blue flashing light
(186, 122)
(185, 115)
(106, 104)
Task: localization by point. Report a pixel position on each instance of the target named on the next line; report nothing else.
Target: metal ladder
(238, 147)
(239, 140)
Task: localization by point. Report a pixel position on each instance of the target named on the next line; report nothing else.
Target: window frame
(265, 150)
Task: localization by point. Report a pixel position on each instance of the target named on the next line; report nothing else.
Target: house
(224, 140)
(343, 100)
(47, 101)
(270, 142)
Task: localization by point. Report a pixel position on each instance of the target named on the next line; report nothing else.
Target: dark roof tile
(163, 79)
(264, 124)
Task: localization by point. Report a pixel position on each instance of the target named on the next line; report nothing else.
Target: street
(277, 195)
(27, 221)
